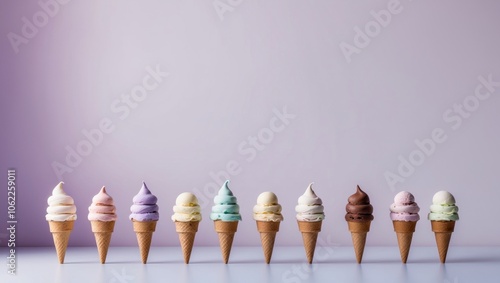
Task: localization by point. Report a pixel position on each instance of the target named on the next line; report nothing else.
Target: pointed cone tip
(145, 188)
(58, 189)
(310, 187)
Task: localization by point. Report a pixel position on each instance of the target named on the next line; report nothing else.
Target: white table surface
(332, 264)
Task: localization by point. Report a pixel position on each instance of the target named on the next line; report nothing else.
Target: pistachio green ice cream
(443, 207)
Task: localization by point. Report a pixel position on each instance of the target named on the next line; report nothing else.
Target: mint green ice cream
(443, 207)
(225, 206)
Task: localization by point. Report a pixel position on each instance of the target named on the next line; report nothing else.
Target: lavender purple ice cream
(144, 207)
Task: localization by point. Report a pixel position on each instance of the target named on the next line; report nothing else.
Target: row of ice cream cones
(268, 230)
(61, 216)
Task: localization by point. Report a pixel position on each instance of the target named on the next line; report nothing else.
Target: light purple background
(352, 121)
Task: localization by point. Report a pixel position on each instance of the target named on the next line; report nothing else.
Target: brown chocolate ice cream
(359, 208)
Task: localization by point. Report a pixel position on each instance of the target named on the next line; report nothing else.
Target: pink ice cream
(102, 207)
(404, 208)
(144, 207)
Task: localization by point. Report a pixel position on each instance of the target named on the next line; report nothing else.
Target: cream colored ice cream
(61, 206)
(310, 207)
(186, 208)
(267, 208)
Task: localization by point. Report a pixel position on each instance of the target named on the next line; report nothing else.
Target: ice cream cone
(358, 235)
(225, 230)
(442, 231)
(187, 232)
(268, 230)
(144, 232)
(60, 232)
(310, 232)
(404, 230)
(102, 233)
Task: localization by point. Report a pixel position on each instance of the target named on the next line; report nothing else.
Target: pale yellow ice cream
(267, 208)
(186, 208)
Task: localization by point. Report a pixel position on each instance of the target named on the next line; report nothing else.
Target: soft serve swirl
(310, 206)
(61, 206)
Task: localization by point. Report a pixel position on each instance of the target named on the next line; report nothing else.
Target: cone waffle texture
(144, 232)
(186, 231)
(60, 232)
(358, 235)
(309, 232)
(267, 230)
(225, 230)
(102, 233)
(442, 231)
(404, 231)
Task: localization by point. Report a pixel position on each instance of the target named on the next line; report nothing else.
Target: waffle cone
(60, 233)
(442, 231)
(186, 231)
(102, 233)
(267, 230)
(404, 231)
(144, 232)
(309, 232)
(226, 231)
(358, 235)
